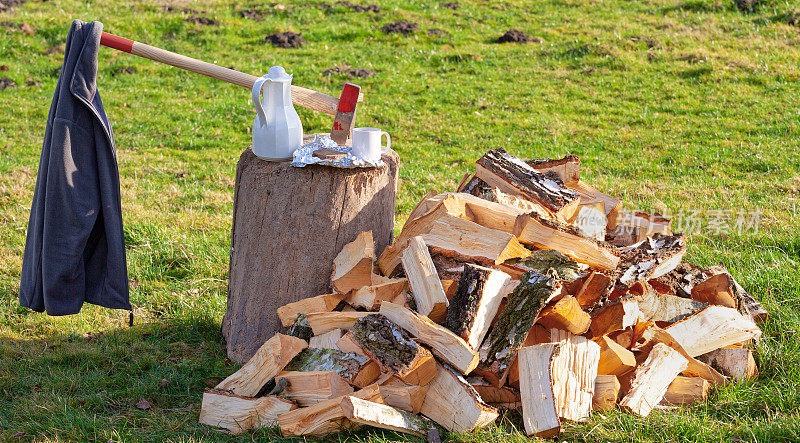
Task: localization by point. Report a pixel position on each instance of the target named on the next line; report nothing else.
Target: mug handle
(388, 142)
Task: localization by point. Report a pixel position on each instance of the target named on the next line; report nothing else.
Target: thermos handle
(257, 85)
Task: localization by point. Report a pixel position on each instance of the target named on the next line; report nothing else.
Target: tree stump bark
(288, 225)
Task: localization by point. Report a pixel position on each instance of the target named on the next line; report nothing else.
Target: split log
(514, 322)
(587, 193)
(370, 297)
(656, 256)
(510, 174)
(267, 362)
(617, 315)
(652, 379)
(596, 286)
(628, 228)
(239, 414)
(648, 334)
(537, 376)
(300, 328)
(322, 322)
(450, 287)
(505, 397)
(454, 404)
(576, 369)
(680, 280)
(686, 390)
(567, 168)
(475, 303)
(401, 395)
(624, 337)
(614, 359)
(606, 392)
(378, 415)
(288, 226)
(393, 349)
(352, 267)
(358, 370)
(663, 307)
(321, 303)
(429, 295)
(327, 340)
(442, 342)
(347, 344)
(309, 388)
(542, 233)
(536, 336)
(468, 241)
(716, 290)
(737, 363)
(590, 220)
(324, 417)
(712, 328)
(565, 314)
(747, 304)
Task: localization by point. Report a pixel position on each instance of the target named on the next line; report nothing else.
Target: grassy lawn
(691, 107)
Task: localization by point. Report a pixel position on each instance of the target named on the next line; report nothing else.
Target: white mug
(367, 143)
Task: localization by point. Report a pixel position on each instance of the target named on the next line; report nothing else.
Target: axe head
(345, 117)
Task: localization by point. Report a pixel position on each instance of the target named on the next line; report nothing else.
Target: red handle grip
(116, 42)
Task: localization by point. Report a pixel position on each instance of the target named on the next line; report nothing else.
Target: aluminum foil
(304, 156)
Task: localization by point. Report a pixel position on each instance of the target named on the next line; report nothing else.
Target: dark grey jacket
(75, 247)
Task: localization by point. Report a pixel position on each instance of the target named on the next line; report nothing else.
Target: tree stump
(288, 225)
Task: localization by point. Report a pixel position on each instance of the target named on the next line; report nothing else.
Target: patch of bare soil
(285, 40)
(7, 5)
(748, 6)
(205, 21)
(401, 27)
(7, 83)
(517, 36)
(360, 8)
(451, 5)
(437, 33)
(349, 72)
(252, 14)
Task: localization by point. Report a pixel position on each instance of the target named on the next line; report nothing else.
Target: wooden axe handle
(307, 98)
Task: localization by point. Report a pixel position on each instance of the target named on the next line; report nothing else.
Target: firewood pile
(525, 289)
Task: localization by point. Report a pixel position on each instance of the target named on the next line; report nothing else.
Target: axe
(343, 109)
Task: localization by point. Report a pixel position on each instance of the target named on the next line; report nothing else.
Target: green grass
(689, 106)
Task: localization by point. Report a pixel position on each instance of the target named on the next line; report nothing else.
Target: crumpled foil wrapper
(304, 155)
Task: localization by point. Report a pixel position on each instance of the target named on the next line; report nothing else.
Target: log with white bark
(712, 328)
(454, 404)
(510, 174)
(663, 307)
(652, 378)
(393, 349)
(568, 168)
(382, 416)
(267, 362)
(474, 305)
(654, 257)
(429, 295)
(239, 414)
(443, 343)
(358, 370)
